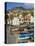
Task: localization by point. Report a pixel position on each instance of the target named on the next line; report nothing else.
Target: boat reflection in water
(23, 33)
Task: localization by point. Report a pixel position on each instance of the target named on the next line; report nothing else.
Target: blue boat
(25, 35)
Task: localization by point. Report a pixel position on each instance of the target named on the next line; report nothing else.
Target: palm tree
(6, 17)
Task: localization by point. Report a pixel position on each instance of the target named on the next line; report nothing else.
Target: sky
(11, 5)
